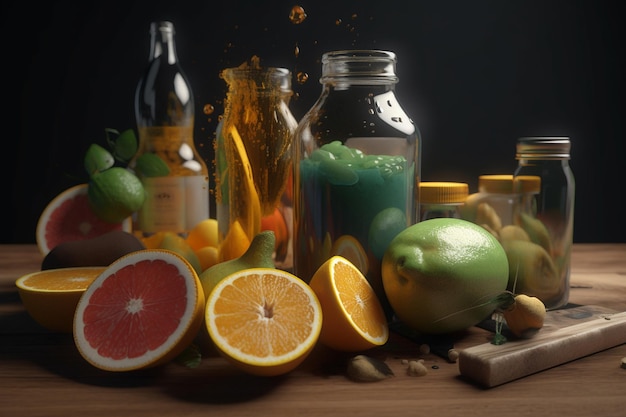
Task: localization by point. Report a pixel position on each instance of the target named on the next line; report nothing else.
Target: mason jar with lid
(551, 229)
(356, 166)
(500, 199)
(442, 199)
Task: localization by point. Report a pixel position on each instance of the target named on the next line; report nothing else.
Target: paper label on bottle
(174, 204)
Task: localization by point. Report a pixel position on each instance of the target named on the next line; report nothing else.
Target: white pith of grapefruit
(68, 217)
(142, 311)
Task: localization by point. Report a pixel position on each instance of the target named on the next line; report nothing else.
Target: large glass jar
(254, 161)
(552, 228)
(356, 166)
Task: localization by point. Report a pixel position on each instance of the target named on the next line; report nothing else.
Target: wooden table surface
(42, 374)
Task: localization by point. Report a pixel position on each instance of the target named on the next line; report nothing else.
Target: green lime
(444, 275)
(115, 194)
(384, 227)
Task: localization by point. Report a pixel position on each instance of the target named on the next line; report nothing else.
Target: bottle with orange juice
(253, 151)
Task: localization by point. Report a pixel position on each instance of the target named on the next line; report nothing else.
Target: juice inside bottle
(254, 160)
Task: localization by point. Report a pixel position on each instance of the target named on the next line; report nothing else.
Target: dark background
(474, 76)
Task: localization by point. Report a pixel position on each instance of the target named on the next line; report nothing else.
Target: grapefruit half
(68, 217)
(142, 311)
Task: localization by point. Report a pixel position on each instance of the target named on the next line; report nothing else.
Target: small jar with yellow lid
(442, 199)
(500, 199)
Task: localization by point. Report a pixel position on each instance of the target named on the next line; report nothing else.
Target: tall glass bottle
(356, 166)
(254, 161)
(553, 226)
(175, 177)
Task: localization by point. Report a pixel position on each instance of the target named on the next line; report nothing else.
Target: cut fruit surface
(265, 321)
(142, 311)
(353, 315)
(69, 217)
(350, 248)
(51, 296)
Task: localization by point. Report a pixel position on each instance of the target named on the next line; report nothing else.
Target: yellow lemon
(203, 234)
(235, 243)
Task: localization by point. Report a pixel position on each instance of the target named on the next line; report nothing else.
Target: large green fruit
(444, 275)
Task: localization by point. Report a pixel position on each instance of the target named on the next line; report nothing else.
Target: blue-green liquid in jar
(347, 193)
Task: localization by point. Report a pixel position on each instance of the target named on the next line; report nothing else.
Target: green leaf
(151, 165)
(97, 159)
(110, 136)
(190, 357)
(123, 145)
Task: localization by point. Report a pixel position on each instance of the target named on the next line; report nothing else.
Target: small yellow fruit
(203, 234)
(525, 316)
(234, 244)
(512, 232)
(175, 243)
(207, 257)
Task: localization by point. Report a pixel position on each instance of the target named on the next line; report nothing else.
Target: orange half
(51, 296)
(265, 321)
(354, 319)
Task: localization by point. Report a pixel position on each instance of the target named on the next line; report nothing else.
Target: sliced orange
(350, 248)
(354, 319)
(144, 310)
(51, 296)
(265, 321)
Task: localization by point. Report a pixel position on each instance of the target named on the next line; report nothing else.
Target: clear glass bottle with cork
(442, 199)
(174, 175)
(551, 229)
(356, 166)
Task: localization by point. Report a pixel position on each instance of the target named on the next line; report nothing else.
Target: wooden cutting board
(568, 334)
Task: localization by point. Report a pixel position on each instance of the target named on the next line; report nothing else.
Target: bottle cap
(543, 148)
(527, 183)
(506, 184)
(365, 66)
(443, 192)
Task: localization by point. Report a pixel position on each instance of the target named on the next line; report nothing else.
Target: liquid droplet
(337, 22)
(208, 109)
(302, 77)
(296, 51)
(297, 15)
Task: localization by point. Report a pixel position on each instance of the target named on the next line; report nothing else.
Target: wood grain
(579, 332)
(42, 374)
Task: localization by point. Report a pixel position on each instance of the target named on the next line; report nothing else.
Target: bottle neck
(162, 42)
(343, 69)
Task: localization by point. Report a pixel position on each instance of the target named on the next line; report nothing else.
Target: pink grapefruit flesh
(68, 217)
(142, 311)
